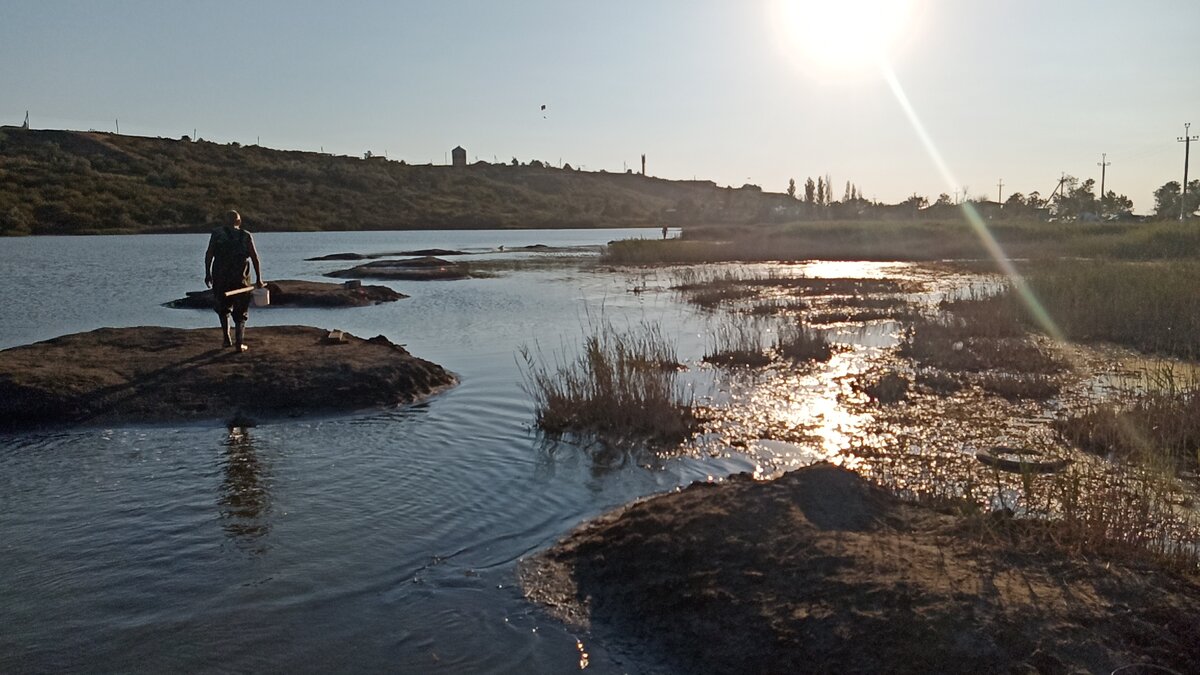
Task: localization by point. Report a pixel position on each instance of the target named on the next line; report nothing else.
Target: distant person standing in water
(664, 231)
(227, 268)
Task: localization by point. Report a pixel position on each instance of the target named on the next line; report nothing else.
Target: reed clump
(737, 343)
(622, 387)
(796, 341)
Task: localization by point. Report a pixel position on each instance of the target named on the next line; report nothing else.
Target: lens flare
(840, 37)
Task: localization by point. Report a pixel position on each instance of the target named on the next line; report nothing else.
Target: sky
(734, 91)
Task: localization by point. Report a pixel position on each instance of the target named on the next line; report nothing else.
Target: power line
(1187, 149)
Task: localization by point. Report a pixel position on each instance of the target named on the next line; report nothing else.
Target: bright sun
(841, 36)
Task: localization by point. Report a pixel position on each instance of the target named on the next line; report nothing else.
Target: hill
(68, 182)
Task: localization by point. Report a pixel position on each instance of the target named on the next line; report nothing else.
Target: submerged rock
(425, 268)
(304, 294)
(153, 374)
(374, 256)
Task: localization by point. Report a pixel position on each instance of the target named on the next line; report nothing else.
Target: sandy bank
(817, 571)
(153, 374)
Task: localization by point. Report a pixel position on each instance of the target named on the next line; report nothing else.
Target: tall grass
(913, 240)
(623, 387)
(1150, 307)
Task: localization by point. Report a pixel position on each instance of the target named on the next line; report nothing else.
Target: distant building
(458, 156)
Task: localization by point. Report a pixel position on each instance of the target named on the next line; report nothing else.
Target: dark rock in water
(413, 269)
(152, 374)
(305, 294)
(533, 247)
(431, 251)
(339, 256)
(375, 256)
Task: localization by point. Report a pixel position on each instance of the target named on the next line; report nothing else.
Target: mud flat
(426, 268)
(153, 375)
(818, 571)
(304, 294)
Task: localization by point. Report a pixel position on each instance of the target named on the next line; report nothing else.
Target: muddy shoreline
(818, 571)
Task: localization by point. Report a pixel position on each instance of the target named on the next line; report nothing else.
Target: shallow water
(385, 541)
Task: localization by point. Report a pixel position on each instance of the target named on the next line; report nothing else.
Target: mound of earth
(425, 268)
(373, 256)
(304, 294)
(152, 374)
(820, 572)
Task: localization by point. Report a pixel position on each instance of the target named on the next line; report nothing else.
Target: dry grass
(1020, 386)
(891, 387)
(1156, 420)
(623, 387)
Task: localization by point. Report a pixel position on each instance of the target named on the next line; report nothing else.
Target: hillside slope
(67, 182)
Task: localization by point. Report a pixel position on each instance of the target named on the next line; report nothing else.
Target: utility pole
(1000, 192)
(1104, 164)
(118, 121)
(1187, 149)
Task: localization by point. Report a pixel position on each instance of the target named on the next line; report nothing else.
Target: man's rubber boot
(225, 339)
(240, 332)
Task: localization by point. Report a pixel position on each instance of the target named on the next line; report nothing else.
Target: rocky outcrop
(425, 268)
(153, 374)
(305, 294)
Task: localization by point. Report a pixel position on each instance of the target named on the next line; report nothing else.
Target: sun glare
(831, 37)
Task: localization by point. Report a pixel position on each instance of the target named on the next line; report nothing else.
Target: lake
(380, 542)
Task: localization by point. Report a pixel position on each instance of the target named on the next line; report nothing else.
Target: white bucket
(261, 297)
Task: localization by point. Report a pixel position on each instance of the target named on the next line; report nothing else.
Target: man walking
(227, 268)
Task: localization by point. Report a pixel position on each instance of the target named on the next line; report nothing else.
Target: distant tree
(1016, 202)
(944, 200)
(791, 189)
(810, 192)
(821, 191)
(1035, 201)
(1166, 199)
(1115, 205)
(916, 202)
(515, 162)
(1076, 199)
(848, 194)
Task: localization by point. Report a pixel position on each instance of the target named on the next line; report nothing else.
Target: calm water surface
(383, 542)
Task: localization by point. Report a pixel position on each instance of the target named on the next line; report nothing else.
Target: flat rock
(153, 374)
(425, 268)
(303, 294)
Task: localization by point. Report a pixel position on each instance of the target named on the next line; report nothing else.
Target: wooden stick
(238, 291)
